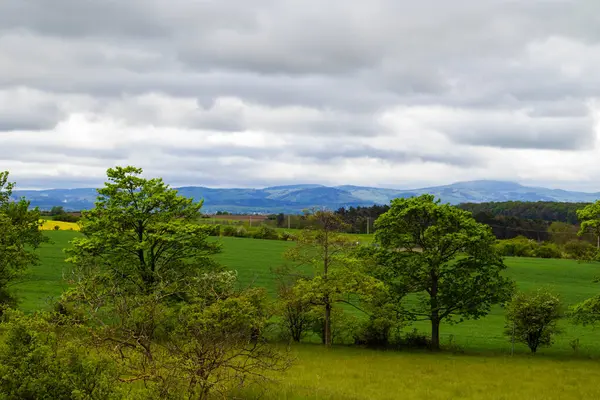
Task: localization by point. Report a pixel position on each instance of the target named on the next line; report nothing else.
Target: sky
(252, 93)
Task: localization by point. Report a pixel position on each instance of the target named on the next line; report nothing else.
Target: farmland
(477, 361)
(253, 259)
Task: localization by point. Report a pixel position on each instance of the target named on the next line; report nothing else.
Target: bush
(287, 236)
(241, 232)
(265, 232)
(517, 247)
(66, 218)
(38, 363)
(580, 250)
(229, 230)
(548, 250)
(532, 318)
(343, 326)
(415, 340)
(213, 230)
(56, 227)
(375, 332)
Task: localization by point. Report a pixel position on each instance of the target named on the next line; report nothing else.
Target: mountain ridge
(295, 198)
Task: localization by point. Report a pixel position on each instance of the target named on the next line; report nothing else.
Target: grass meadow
(479, 367)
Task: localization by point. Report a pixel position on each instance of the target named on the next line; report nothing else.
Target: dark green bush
(375, 332)
(548, 250)
(66, 218)
(265, 232)
(415, 340)
(213, 230)
(580, 250)
(37, 363)
(517, 247)
(287, 236)
(241, 232)
(229, 230)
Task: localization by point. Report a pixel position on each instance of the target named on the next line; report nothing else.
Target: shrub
(375, 332)
(296, 316)
(415, 340)
(548, 250)
(38, 363)
(229, 230)
(265, 232)
(517, 247)
(213, 230)
(56, 227)
(241, 232)
(532, 318)
(580, 250)
(66, 218)
(287, 236)
(343, 326)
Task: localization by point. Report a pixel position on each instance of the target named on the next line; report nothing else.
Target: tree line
(151, 314)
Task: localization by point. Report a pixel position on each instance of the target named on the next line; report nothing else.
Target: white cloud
(232, 93)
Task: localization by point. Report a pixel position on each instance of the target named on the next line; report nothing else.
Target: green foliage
(57, 210)
(288, 236)
(66, 218)
(548, 250)
(379, 328)
(229, 230)
(265, 232)
(152, 294)
(561, 232)
(39, 361)
(20, 236)
(141, 234)
(443, 255)
(415, 340)
(587, 312)
(517, 247)
(218, 345)
(338, 274)
(294, 312)
(539, 210)
(241, 232)
(523, 247)
(212, 230)
(532, 318)
(580, 250)
(590, 219)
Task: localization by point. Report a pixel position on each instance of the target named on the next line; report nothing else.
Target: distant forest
(507, 219)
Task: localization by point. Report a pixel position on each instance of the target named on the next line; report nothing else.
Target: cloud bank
(255, 93)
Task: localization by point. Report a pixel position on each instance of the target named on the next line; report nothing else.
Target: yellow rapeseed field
(49, 225)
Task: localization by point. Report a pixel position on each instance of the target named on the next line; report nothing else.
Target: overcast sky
(396, 93)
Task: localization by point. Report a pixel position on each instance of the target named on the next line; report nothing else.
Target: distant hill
(295, 198)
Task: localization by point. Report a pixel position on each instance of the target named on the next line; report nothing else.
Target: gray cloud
(259, 88)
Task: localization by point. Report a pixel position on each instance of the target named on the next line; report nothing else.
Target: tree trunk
(327, 324)
(435, 332)
(435, 312)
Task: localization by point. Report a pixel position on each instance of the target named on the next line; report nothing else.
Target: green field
(352, 374)
(484, 370)
(253, 259)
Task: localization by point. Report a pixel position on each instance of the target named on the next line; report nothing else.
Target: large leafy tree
(445, 257)
(141, 234)
(147, 285)
(20, 235)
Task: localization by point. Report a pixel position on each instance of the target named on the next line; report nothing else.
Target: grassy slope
(352, 374)
(253, 259)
